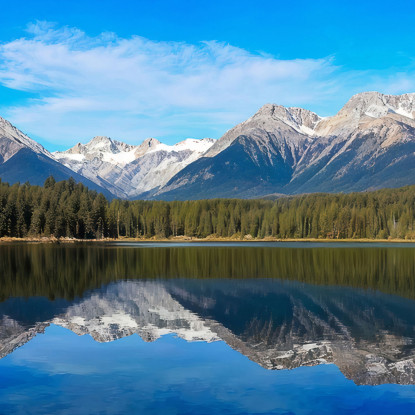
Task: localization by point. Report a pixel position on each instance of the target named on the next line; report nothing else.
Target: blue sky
(178, 69)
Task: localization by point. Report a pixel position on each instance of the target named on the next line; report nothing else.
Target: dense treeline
(68, 209)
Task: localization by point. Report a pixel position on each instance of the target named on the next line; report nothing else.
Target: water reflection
(67, 271)
(283, 308)
(277, 324)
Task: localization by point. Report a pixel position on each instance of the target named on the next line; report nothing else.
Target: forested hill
(67, 209)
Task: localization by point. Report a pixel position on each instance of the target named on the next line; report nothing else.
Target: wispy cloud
(133, 88)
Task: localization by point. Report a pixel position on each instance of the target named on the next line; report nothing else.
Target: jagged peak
(150, 142)
(147, 145)
(102, 143)
(379, 95)
(3, 122)
(100, 139)
(300, 119)
(272, 118)
(189, 144)
(76, 149)
(270, 111)
(8, 130)
(99, 144)
(375, 104)
(276, 110)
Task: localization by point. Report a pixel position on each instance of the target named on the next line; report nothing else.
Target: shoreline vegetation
(180, 239)
(66, 211)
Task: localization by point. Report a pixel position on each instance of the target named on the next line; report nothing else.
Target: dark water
(207, 328)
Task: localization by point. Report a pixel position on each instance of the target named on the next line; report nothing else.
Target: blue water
(341, 316)
(60, 372)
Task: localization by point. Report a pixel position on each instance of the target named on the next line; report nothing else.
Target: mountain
(254, 158)
(22, 160)
(368, 144)
(130, 171)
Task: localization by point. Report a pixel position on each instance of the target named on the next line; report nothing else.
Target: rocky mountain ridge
(368, 144)
(12, 140)
(129, 171)
(23, 159)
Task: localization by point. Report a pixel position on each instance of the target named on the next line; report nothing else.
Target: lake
(203, 328)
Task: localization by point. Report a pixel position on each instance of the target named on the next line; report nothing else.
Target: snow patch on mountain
(360, 107)
(292, 148)
(102, 148)
(128, 170)
(190, 144)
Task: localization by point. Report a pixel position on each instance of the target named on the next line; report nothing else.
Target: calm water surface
(281, 328)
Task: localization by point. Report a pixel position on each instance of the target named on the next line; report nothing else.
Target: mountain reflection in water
(281, 307)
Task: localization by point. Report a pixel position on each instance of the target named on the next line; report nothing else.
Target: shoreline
(181, 239)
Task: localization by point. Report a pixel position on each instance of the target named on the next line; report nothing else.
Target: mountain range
(369, 144)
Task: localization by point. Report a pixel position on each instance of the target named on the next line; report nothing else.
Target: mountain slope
(368, 144)
(129, 171)
(22, 160)
(290, 124)
(255, 157)
(373, 149)
(247, 167)
(12, 140)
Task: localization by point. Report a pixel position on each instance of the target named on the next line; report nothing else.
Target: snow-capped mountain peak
(377, 105)
(99, 145)
(368, 144)
(293, 125)
(130, 170)
(102, 148)
(188, 145)
(362, 108)
(12, 140)
(147, 145)
(300, 119)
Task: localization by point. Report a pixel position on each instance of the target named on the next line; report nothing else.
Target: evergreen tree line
(68, 209)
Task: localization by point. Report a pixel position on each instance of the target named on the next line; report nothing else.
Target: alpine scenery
(207, 208)
(369, 144)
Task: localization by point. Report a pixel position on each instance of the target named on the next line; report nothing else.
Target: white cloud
(133, 88)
